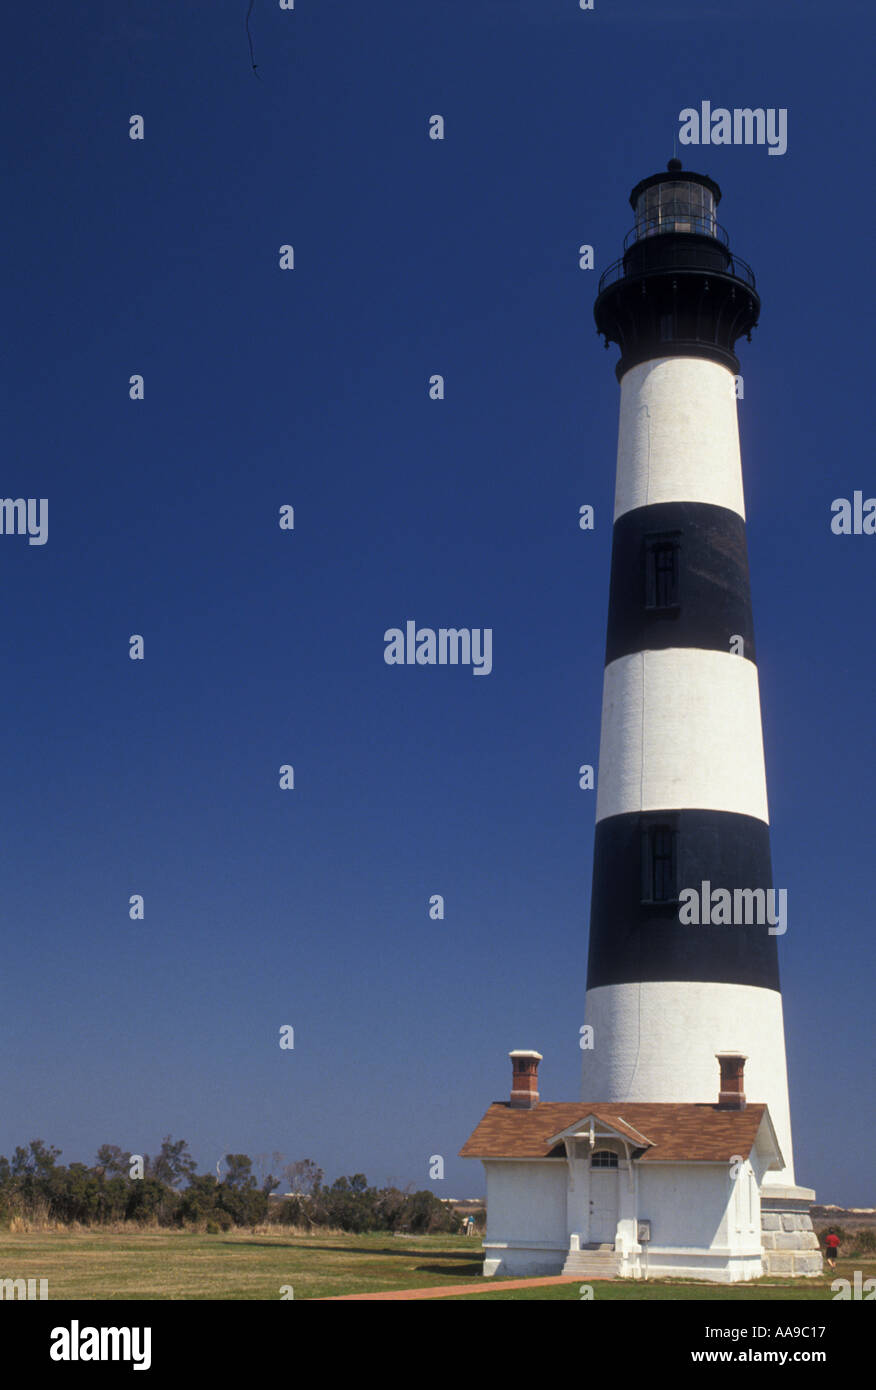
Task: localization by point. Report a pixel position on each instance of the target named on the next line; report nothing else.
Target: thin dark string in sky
(249, 36)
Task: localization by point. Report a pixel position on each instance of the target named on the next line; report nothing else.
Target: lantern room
(675, 201)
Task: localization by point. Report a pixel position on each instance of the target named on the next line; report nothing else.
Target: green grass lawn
(237, 1265)
(663, 1290)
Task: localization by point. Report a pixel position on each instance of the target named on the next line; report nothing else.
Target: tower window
(665, 327)
(659, 876)
(662, 554)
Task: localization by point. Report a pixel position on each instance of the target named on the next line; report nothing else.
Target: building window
(665, 328)
(662, 557)
(603, 1158)
(659, 878)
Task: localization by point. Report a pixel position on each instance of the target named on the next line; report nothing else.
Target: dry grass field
(162, 1264)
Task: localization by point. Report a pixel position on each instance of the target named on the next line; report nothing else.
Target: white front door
(603, 1205)
(577, 1201)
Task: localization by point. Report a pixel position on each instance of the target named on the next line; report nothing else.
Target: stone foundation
(790, 1245)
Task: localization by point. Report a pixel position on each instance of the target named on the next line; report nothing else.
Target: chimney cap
(524, 1087)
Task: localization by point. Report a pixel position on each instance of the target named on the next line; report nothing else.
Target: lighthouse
(682, 800)
(677, 1161)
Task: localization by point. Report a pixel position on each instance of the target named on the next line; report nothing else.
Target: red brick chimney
(731, 1095)
(524, 1083)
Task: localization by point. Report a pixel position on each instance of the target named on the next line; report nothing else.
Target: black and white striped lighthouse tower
(682, 796)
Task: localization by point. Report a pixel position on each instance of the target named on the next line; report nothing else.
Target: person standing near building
(831, 1241)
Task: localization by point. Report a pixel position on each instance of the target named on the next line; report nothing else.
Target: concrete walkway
(447, 1290)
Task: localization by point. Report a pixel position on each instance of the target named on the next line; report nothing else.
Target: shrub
(290, 1211)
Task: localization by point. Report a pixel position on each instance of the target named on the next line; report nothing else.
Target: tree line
(166, 1190)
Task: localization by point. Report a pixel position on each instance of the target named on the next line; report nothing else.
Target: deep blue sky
(309, 387)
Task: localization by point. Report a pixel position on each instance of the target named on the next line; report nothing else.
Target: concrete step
(595, 1262)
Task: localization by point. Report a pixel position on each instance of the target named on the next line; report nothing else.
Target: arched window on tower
(603, 1158)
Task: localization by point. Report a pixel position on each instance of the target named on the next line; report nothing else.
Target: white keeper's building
(649, 1189)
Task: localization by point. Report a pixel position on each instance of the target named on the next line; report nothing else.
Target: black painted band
(633, 940)
(713, 586)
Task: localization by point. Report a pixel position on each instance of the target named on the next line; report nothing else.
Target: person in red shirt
(831, 1240)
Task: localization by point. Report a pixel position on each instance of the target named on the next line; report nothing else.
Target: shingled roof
(666, 1132)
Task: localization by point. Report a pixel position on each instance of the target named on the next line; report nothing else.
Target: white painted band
(681, 729)
(678, 437)
(656, 1041)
